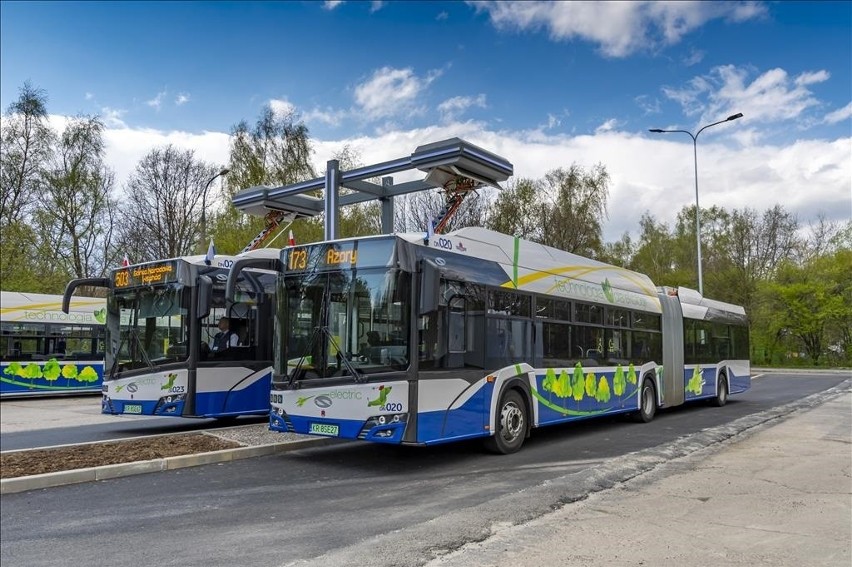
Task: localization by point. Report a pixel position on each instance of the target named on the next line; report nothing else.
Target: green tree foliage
(77, 219)
(579, 199)
(813, 303)
(518, 210)
(161, 213)
(25, 148)
(565, 209)
(275, 151)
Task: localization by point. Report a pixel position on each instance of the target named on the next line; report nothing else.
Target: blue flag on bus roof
(211, 251)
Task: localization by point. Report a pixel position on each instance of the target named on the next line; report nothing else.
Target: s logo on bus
(322, 402)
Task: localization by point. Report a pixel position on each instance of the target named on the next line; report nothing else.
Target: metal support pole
(387, 206)
(332, 196)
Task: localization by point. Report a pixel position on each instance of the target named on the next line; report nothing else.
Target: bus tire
(721, 392)
(647, 402)
(511, 427)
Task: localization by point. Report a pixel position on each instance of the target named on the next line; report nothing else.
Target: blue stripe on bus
(251, 400)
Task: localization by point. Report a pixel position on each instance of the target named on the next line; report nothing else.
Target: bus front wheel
(511, 427)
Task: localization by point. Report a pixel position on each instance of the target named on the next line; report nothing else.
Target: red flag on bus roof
(291, 241)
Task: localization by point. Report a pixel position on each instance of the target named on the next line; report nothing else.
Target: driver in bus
(225, 338)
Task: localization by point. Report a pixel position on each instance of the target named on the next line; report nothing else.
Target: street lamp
(697, 209)
(224, 171)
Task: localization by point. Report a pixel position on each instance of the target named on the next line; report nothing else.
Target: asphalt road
(357, 503)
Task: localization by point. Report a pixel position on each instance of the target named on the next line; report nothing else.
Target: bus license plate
(132, 408)
(325, 429)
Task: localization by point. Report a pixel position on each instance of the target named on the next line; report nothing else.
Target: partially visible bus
(45, 351)
(476, 334)
(161, 319)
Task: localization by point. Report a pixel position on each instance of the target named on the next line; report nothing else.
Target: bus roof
(534, 267)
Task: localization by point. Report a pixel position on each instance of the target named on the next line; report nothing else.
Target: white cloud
(839, 115)
(331, 4)
(772, 96)
(619, 28)
(454, 107)
(376, 5)
(281, 107)
(89, 96)
(328, 116)
(607, 126)
(390, 92)
(157, 101)
(653, 174)
(442, 16)
(182, 98)
(112, 117)
(695, 57)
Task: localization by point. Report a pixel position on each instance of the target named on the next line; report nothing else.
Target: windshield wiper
(357, 374)
(145, 358)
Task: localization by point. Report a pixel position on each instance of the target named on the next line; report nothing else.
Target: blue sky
(542, 84)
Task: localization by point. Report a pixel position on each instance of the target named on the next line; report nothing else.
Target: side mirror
(430, 286)
(205, 296)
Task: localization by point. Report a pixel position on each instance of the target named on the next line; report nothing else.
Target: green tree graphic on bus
(14, 369)
(591, 384)
(69, 372)
(619, 383)
(88, 374)
(602, 394)
(696, 383)
(631, 374)
(51, 370)
(578, 383)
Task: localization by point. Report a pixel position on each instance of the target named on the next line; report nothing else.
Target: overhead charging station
(455, 166)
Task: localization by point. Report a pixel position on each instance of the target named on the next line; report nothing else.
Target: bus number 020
(392, 407)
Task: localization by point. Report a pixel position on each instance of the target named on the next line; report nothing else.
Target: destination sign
(147, 274)
(321, 257)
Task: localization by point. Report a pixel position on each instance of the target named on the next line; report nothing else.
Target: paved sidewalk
(780, 496)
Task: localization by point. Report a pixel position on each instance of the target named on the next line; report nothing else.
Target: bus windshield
(152, 327)
(340, 323)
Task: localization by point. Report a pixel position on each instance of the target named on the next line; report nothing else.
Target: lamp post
(224, 171)
(697, 209)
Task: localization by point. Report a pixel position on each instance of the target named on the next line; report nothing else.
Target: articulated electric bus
(45, 351)
(401, 339)
(162, 320)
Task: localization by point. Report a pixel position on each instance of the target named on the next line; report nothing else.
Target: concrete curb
(104, 472)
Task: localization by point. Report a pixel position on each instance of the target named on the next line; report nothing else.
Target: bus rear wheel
(721, 392)
(647, 402)
(511, 429)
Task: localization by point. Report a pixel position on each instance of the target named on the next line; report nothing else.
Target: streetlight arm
(697, 207)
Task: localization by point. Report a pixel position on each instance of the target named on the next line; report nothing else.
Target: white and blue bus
(161, 321)
(475, 334)
(45, 351)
